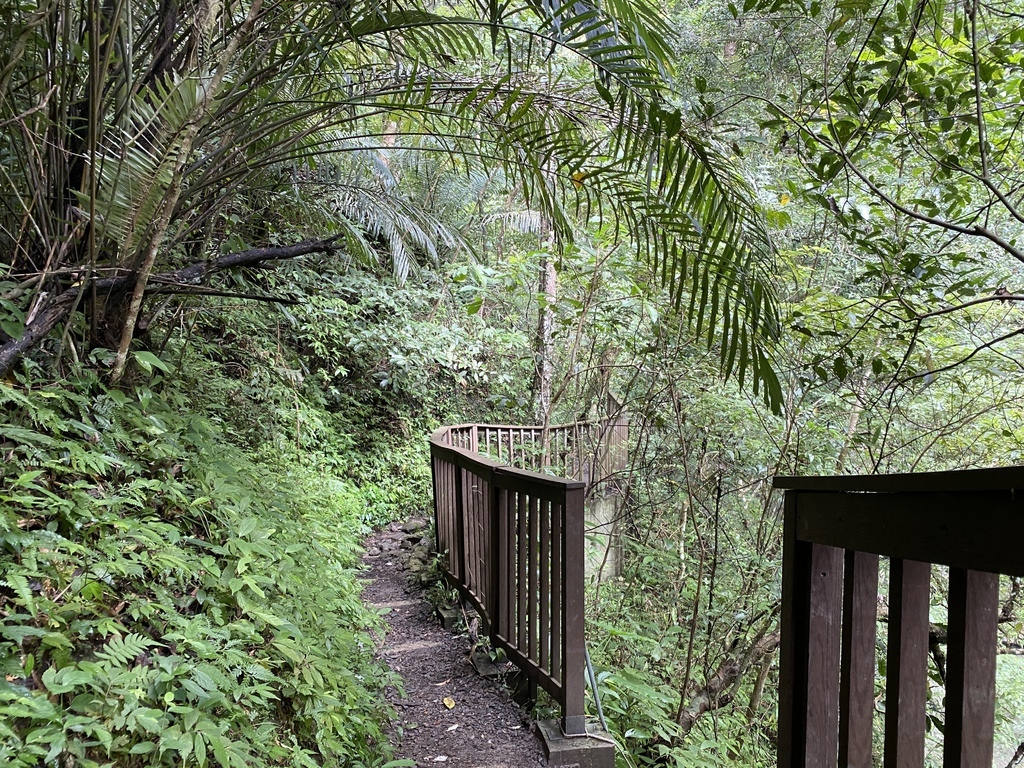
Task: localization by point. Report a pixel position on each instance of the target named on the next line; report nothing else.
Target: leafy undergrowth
(167, 599)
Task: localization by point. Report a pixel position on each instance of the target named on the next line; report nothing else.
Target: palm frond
(136, 165)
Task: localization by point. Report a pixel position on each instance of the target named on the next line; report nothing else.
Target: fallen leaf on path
(441, 759)
(452, 727)
(449, 702)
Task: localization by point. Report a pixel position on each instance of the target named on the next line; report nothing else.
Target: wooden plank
(512, 598)
(544, 622)
(906, 681)
(442, 509)
(486, 546)
(459, 555)
(990, 479)
(499, 556)
(824, 645)
(971, 669)
(857, 682)
(892, 525)
(573, 653)
(522, 581)
(793, 646)
(557, 579)
(471, 532)
(436, 480)
(532, 587)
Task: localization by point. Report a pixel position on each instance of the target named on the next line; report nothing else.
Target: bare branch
(973, 302)
(961, 361)
(60, 306)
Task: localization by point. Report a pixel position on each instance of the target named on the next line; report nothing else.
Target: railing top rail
(538, 478)
(523, 427)
(992, 479)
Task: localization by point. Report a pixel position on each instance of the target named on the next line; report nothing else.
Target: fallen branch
(50, 315)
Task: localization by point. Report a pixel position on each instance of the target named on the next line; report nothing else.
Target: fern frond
(122, 650)
(20, 585)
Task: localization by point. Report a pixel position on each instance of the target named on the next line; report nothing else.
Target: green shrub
(167, 600)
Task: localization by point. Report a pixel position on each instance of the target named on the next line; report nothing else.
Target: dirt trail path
(484, 728)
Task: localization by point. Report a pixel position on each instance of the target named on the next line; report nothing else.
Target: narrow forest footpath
(450, 715)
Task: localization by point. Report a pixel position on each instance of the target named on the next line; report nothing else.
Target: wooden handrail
(514, 541)
(589, 451)
(835, 531)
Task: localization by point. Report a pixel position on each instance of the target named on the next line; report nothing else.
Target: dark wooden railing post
(573, 631)
(793, 629)
(906, 676)
(857, 685)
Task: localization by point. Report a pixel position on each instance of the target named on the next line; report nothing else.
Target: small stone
(415, 524)
(406, 543)
(373, 552)
(421, 552)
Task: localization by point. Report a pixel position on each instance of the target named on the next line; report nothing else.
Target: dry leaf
(452, 727)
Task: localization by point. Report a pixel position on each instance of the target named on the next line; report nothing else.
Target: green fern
(126, 649)
(19, 584)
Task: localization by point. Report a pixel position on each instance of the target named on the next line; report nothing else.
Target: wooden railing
(515, 548)
(836, 528)
(587, 451)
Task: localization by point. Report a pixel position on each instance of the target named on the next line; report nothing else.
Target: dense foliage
(168, 598)
(251, 260)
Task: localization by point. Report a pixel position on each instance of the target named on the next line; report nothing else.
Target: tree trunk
(544, 352)
(711, 696)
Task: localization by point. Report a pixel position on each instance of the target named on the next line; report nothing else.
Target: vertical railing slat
(971, 669)
(557, 573)
(498, 557)
(906, 679)
(573, 642)
(857, 684)
(793, 646)
(459, 540)
(522, 583)
(544, 619)
(532, 587)
(511, 507)
(824, 646)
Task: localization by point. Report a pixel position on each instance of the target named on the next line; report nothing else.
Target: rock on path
(484, 728)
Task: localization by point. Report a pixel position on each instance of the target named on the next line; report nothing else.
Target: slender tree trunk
(155, 240)
(544, 351)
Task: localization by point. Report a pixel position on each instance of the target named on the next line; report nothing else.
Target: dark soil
(484, 728)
